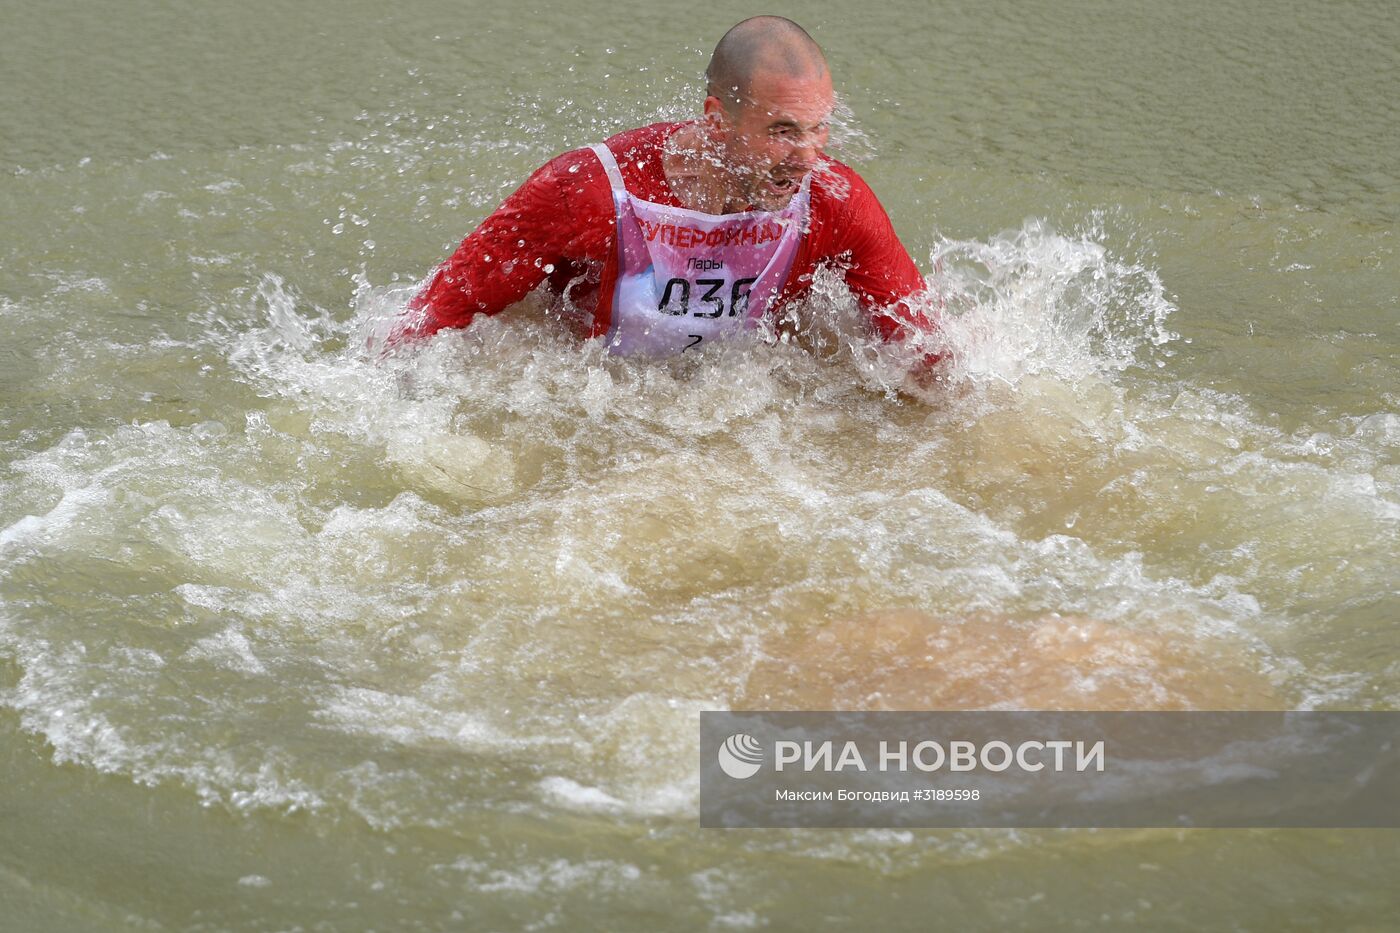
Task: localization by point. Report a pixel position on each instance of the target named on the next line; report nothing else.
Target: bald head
(762, 45)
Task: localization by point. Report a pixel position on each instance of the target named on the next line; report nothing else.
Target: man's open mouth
(783, 184)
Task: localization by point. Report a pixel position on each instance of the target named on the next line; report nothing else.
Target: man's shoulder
(845, 214)
(640, 141)
(627, 146)
(837, 187)
(630, 148)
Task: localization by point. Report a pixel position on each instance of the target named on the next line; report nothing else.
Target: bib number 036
(711, 299)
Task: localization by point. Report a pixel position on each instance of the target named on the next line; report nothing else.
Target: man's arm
(525, 240)
(880, 272)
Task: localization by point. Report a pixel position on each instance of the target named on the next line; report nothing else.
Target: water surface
(293, 638)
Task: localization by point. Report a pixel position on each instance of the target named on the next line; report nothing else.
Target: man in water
(677, 234)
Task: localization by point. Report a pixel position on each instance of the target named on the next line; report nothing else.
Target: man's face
(774, 138)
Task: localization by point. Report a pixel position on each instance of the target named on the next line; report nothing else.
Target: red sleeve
(851, 229)
(549, 222)
(879, 270)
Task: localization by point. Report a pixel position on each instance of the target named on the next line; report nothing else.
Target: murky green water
(294, 640)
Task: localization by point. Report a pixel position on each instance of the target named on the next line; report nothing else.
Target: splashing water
(1033, 301)
(503, 541)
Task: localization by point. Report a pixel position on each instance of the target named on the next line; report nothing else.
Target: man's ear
(714, 110)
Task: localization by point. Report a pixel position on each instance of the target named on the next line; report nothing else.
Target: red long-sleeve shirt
(560, 226)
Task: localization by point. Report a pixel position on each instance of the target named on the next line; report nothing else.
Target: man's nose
(806, 149)
(808, 146)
